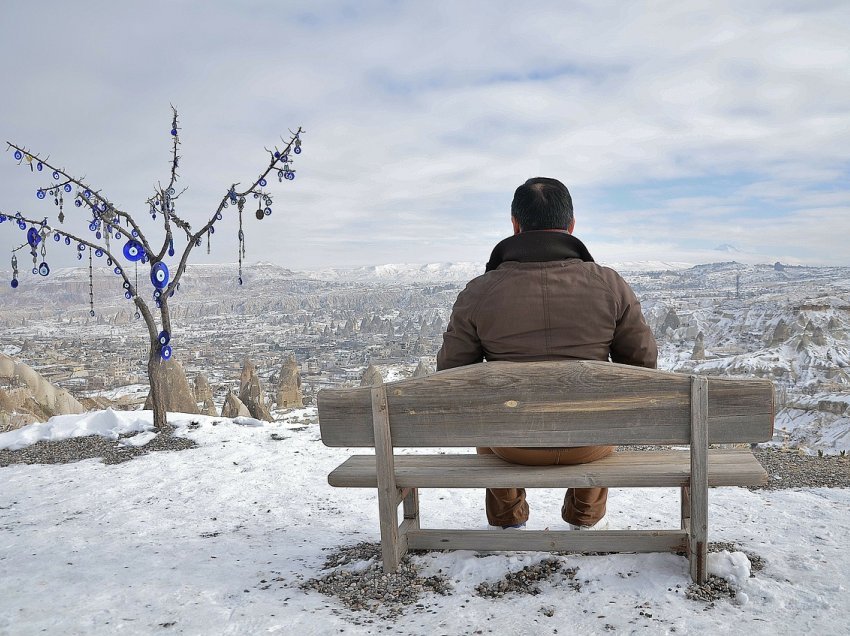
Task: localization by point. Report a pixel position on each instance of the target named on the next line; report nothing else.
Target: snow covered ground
(218, 539)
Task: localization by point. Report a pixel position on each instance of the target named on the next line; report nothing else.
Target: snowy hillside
(225, 537)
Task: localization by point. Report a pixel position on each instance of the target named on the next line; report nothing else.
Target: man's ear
(572, 226)
(515, 223)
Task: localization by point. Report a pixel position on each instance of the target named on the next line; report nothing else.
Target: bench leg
(411, 508)
(388, 512)
(698, 522)
(685, 500)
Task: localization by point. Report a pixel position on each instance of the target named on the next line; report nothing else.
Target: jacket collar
(538, 246)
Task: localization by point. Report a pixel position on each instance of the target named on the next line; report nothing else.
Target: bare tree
(113, 230)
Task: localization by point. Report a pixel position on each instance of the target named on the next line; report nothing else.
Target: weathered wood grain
(388, 492)
(538, 404)
(698, 535)
(733, 467)
(545, 540)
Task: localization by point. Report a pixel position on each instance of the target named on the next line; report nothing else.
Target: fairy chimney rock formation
(699, 348)
(371, 376)
(421, 369)
(671, 322)
(233, 407)
(251, 392)
(289, 385)
(178, 395)
(204, 396)
(780, 334)
(33, 398)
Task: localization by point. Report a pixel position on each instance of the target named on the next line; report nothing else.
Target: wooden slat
(545, 540)
(732, 467)
(538, 404)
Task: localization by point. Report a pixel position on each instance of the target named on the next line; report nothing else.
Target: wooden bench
(540, 404)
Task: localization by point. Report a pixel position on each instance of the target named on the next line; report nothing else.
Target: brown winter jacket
(543, 298)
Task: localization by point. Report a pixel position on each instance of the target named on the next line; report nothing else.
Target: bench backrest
(565, 403)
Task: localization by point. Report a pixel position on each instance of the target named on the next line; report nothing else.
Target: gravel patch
(790, 469)
(526, 580)
(369, 588)
(90, 447)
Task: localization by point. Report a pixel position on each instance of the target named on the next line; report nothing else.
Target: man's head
(542, 204)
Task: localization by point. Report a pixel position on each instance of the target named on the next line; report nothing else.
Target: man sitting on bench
(542, 297)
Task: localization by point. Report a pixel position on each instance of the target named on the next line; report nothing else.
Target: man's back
(550, 310)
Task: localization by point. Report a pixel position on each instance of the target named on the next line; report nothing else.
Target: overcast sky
(678, 126)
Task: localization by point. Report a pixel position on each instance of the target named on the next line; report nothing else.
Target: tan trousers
(582, 506)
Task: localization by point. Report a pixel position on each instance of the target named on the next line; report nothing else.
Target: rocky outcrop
(671, 322)
(204, 396)
(233, 407)
(178, 396)
(421, 369)
(32, 398)
(371, 376)
(251, 392)
(699, 348)
(780, 334)
(289, 393)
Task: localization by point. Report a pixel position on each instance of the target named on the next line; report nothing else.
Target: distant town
(789, 324)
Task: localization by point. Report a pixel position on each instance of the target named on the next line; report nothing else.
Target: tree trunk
(155, 371)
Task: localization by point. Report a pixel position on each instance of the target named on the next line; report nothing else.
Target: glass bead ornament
(290, 175)
(44, 269)
(67, 240)
(19, 155)
(267, 211)
(133, 250)
(91, 313)
(165, 352)
(39, 166)
(78, 203)
(263, 183)
(57, 238)
(14, 283)
(56, 174)
(22, 225)
(164, 338)
(98, 252)
(67, 187)
(33, 237)
(159, 275)
(40, 194)
(128, 295)
(117, 270)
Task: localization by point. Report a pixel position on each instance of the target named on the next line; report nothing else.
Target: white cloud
(422, 118)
